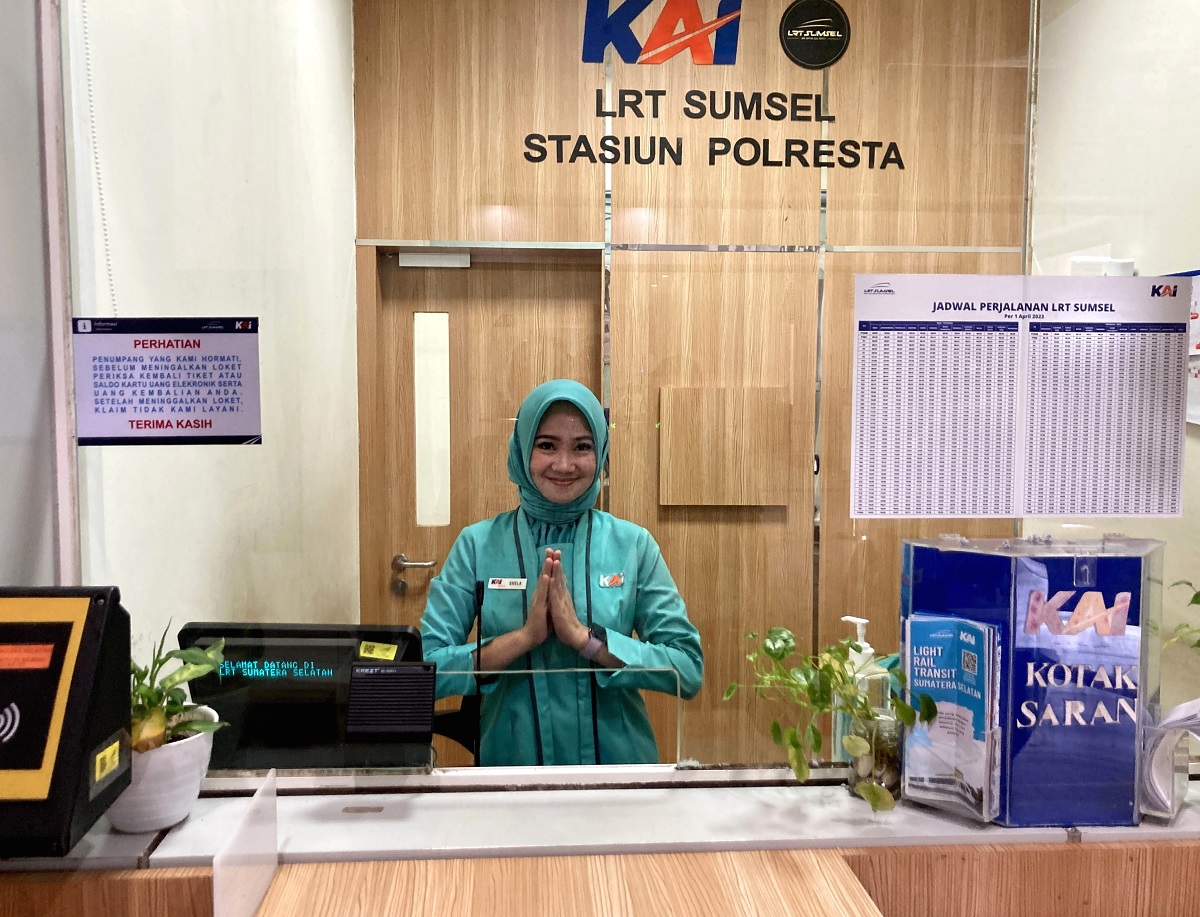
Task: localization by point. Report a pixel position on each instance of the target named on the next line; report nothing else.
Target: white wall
(1115, 173)
(27, 551)
(212, 174)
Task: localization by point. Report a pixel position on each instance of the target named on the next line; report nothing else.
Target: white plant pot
(165, 783)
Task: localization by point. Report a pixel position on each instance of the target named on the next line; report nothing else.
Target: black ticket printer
(64, 714)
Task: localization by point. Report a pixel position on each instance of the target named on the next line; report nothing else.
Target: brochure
(953, 762)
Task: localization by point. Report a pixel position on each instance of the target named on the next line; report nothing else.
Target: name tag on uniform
(497, 582)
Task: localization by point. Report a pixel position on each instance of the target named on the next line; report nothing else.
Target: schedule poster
(984, 395)
(166, 381)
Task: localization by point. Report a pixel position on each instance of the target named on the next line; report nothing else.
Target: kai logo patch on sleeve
(611, 580)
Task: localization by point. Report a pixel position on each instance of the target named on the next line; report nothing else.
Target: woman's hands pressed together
(567, 626)
(552, 611)
(538, 626)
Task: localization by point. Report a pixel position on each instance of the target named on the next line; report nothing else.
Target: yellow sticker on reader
(107, 761)
(385, 651)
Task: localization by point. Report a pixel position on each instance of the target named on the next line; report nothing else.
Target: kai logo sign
(680, 27)
(1090, 612)
(1164, 289)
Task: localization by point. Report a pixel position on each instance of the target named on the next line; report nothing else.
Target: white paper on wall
(167, 381)
(1018, 396)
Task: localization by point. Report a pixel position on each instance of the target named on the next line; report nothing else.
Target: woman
(560, 585)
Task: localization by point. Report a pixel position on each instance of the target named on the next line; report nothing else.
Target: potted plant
(171, 739)
(828, 683)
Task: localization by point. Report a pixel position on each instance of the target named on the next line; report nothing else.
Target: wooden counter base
(109, 893)
(812, 883)
(1141, 879)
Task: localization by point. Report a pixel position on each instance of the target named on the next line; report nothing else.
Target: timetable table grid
(1084, 460)
(997, 396)
(946, 391)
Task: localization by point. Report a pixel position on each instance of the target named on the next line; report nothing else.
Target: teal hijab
(520, 448)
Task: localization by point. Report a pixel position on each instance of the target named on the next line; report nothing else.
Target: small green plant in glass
(822, 684)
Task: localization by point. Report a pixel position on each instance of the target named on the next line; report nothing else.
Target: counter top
(319, 827)
(555, 822)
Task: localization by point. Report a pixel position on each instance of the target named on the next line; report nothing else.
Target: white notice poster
(1018, 396)
(166, 381)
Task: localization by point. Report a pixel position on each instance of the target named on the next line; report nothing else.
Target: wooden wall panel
(710, 441)
(860, 558)
(444, 94)
(680, 320)
(725, 203)
(947, 81)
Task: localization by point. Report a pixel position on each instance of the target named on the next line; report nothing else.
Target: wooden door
(513, 324)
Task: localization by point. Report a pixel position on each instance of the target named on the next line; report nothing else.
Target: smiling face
(563, 463)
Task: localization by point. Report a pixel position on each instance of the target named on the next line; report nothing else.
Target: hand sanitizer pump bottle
(873, 680)
(881, 764)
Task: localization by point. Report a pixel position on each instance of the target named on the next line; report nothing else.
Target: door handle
(400, 563)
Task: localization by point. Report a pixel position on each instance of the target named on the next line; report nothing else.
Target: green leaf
(879, 798)
(779, 643)
(730, 691)
(856, 746)
(813, 735)
(904, 713)
(928, 708)
(901, 678)
(184, 673)
(192, 654)
(798, 763)
(751, 635)
(820, 689)
(777, 733)
(791, 738)
(191, 726)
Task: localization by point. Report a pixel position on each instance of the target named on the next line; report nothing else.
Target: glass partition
(559, 716)
(704, 290)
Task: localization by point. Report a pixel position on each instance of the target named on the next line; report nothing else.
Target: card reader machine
(64, 714)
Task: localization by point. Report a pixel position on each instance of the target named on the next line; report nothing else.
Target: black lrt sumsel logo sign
(814, 33)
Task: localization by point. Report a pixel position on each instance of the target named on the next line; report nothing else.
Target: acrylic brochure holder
(1051, 652)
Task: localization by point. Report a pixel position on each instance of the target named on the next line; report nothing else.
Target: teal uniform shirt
(618, 576)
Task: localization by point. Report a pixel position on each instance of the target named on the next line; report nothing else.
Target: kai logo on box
(680, 27)
(1164, 289)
